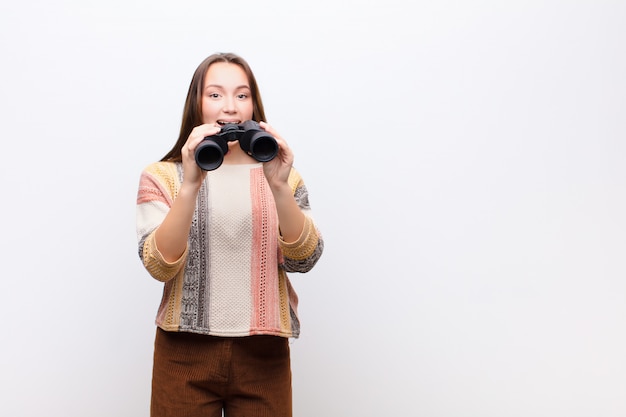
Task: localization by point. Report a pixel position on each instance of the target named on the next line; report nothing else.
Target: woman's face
(226, 97)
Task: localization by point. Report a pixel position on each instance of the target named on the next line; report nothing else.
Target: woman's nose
(229, 105)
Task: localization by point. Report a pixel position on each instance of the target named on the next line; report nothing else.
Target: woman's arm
(173, 233)
(290, 217)
(301, 243)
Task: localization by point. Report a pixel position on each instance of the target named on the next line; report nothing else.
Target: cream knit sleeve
(158, 187)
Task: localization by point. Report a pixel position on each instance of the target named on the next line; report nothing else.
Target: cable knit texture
(232, 278)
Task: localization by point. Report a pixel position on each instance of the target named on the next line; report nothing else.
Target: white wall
(466, 163)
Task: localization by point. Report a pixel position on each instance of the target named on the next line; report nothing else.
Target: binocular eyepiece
(253, 140)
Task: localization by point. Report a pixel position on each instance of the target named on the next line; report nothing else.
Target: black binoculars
(253, 140)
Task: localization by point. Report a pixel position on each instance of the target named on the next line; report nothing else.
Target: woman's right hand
(193, 175)
(172, 235)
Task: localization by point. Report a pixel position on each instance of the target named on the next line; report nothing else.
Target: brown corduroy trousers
(201, 376)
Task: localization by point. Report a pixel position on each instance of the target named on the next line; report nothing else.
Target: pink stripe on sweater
(265, 297)
(151, 190)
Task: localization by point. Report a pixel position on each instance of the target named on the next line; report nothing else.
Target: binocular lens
(263, 147)
(209, 156)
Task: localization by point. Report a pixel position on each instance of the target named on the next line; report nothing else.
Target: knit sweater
(232, 278)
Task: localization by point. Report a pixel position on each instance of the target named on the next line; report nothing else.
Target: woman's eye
(242, 96)
(214, 95)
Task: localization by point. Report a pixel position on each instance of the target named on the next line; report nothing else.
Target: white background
(466, 162)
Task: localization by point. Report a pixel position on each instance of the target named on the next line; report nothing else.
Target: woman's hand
(193, 175)
(172, 235)
(290, 217)
(277, 170)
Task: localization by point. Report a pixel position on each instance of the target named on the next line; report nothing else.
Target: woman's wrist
(189, 190)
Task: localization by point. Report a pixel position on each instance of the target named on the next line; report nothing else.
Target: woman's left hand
(290, 218)
(277, 170)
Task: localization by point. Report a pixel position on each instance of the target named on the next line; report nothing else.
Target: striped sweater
(232, 278)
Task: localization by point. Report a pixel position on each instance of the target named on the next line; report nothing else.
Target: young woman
(222, 242)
